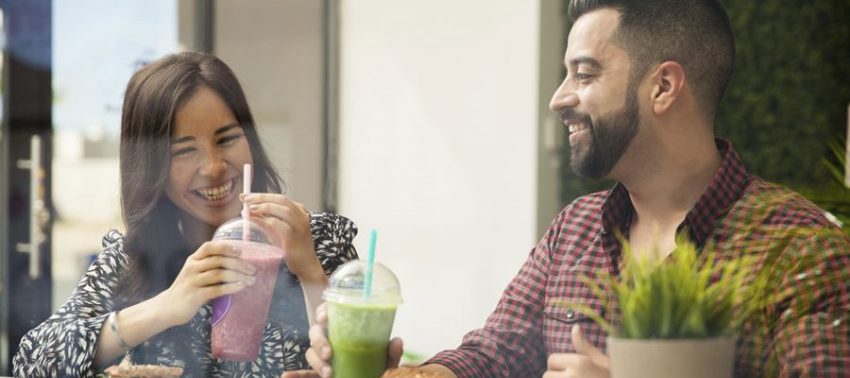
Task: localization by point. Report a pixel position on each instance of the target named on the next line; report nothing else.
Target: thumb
(394, 351)
(585, 347)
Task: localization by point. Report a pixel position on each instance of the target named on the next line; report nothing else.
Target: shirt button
(570, 314)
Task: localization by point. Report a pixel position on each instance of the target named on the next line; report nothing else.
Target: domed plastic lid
(233, 229)
(347, 285)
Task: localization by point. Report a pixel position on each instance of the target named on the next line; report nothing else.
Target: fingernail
(326, 351)
(254, 208)
(326, 372)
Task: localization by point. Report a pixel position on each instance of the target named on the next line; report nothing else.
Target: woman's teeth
(215, 193)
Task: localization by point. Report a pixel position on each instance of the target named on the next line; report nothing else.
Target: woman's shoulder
(333, 237)
(112, 254)
(328, 225)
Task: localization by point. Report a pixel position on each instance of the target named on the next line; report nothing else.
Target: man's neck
(668, 188)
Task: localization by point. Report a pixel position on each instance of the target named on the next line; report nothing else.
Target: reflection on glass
(97, 46)
(4, 342)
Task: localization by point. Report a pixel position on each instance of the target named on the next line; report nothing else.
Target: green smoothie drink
(359, 334)
(359, 327)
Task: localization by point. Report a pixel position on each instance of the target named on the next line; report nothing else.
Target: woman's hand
(212, 271)
(289, 223)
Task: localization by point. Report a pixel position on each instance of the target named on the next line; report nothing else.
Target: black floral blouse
(64, 344)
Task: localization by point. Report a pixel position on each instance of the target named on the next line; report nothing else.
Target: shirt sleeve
(813, 332)
(333, 237)
(65, 343)
(511, 343)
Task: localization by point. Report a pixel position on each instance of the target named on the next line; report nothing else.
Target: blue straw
(370, 264)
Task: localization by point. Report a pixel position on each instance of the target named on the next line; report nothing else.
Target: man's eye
(582, 76)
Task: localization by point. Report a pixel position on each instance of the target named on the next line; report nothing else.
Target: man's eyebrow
(585, 60)
(219, 131)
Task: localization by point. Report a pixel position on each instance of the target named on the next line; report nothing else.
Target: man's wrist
(440, 369)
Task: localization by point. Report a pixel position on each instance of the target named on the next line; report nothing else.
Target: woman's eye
(229, 139)
(182, 151)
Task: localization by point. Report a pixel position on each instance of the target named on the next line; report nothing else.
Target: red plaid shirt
(530, 322)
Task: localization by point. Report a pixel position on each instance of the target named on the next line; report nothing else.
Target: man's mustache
(571, 116)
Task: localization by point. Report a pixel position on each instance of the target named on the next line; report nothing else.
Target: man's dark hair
(694, 33)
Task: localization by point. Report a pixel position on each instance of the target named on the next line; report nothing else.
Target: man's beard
(609, 139)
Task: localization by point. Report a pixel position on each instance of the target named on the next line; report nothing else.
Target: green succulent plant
(704, 293)
(686, 296)
(678, 298)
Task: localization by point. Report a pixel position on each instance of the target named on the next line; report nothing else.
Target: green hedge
(788, 96)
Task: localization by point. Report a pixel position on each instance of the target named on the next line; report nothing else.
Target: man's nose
(564, 97)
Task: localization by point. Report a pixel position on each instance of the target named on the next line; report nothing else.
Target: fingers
(272, 223)
(586, 348)
(225, 262)
(271, 199)
(282, 212)
(215, 291)
(319, 353)
(300, 374)
(394, 351)
(322, 314)
(317, 363)
(220, 276)
(212, 248)
(319, 342)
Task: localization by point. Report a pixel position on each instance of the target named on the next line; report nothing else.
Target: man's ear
(668, 82)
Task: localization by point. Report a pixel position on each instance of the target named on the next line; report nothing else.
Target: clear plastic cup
(238, 320)
(359, 328)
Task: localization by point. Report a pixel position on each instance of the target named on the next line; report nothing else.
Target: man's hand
(319, 353)
(586, 362)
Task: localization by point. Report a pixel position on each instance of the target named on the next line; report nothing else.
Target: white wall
(275, 48)
(439, 117)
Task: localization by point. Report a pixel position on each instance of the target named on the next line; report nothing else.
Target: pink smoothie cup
(238, 320)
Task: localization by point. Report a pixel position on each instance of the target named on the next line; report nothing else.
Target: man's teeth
(216, 193)
(576, 127)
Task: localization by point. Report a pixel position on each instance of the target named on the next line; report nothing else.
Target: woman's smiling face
(208, 151)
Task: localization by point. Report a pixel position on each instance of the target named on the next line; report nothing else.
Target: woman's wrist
(156, 308)
(314, 275)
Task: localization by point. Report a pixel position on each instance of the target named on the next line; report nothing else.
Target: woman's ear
(668, 80)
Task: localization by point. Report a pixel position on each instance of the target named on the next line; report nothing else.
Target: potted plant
(680, 317)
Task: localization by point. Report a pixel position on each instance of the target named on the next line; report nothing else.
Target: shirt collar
(726, 187)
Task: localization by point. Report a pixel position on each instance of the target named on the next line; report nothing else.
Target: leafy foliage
(790, 90)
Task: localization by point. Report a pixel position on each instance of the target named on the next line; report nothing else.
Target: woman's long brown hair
(153, 242)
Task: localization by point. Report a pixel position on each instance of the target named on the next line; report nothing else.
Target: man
(644, 81)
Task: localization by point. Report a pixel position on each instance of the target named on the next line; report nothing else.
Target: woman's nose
(213, 165)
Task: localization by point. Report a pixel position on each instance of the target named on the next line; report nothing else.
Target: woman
(186, 131)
